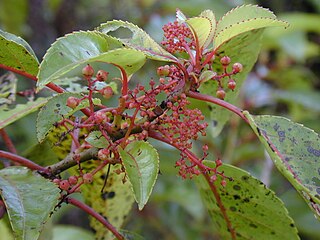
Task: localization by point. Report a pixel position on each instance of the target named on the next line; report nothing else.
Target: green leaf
(5, 230)
(67, 232)
(254, 211)
(243, 19)
(96, 139)
(8, 116)
(29, 199)
(42, 153)
(141, 162)
(80, 48)
(245, 49)
(138, 40)
(17, 54)
(295, 150)
(8, 87)
(113, 201)
(203, 27)
(55, 110)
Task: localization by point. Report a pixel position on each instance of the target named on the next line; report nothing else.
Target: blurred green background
(285, 81)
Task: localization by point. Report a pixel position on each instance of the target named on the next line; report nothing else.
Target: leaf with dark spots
(114, 203)
(16, 53)
(254, 211)
(294, 156)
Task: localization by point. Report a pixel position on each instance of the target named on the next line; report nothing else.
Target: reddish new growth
(178, 37)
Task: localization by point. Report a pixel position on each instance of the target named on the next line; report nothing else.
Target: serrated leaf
(8, 116)
(55, 110)
(41, 153)
(206, 76)
(141, 162)
(209, 15)
(8, 87)
(254, 211)
(96, 139)
(295, 150)
(243, 19)
(242, 13)
(139, 40)
(243, 48)
(80, 48)
(29, 199)
(181, 18)
(114, 201)
(16, 53)
(202, 27)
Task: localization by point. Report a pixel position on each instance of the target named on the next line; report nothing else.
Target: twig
(7, 141)
(96, 215)
(69, 161)
(217, 101)
(23, 161)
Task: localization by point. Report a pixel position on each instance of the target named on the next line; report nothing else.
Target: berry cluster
(178, 37)
(236, 68)
(180, 124)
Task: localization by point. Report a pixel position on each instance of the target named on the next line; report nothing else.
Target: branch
(217, 101)
(69, 161)
(96, 215)
(23, 161)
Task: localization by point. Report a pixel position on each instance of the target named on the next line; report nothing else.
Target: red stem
(96, 215)
(217, 101)
(7, 141)
(209, 57)
(52, 86)
(23, 161)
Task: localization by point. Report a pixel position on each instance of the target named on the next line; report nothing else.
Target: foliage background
(285, 81)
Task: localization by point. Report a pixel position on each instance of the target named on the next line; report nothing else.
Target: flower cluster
(180, 124)
(178, 37)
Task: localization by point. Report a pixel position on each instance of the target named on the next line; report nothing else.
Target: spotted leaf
(295, 150)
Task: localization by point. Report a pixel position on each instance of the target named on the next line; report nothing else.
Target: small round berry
(163, 71)
(221, 94)
(99, 117)
(87, 178)
(106, 92)
(73, 180)
(102, 75)
(64, 185)
(88, 71)
(237, 67)
(218, 162)
(225, 61)
(104, 154)
(223, 183)
(56, 181)
(213, 178)
(73, 102)
(231, 84)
